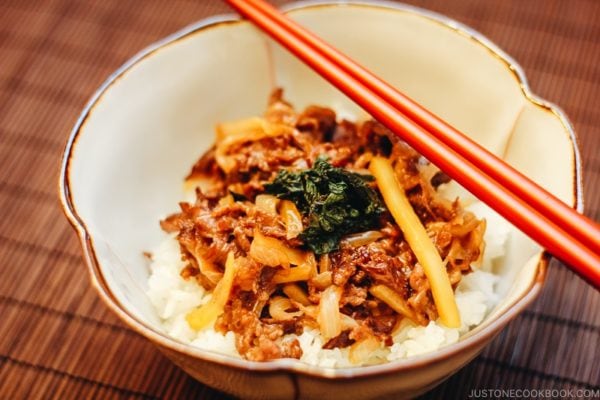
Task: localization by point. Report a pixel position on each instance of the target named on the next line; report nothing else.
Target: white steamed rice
(173, 297)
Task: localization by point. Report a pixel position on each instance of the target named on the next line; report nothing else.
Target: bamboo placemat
(57, 340)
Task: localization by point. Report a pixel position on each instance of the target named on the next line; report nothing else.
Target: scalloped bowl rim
(290, 365)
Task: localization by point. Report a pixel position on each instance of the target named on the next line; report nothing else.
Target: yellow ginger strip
(392, 299)
(207, 313)
(416, 236)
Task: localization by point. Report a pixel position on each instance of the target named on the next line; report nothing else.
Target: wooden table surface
(57, 339)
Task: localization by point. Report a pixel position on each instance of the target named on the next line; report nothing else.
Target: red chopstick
(579, 226)
(563, 232)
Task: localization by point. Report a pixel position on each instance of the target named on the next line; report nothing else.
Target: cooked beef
(353, 295)
(319, 122)
(379, 265)
(340, 341)
(255, 339)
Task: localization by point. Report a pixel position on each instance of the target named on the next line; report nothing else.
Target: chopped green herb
(337, 202)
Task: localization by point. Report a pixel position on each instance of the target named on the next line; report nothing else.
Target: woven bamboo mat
(57, 340)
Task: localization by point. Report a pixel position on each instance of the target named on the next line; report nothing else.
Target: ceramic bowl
(137, 138)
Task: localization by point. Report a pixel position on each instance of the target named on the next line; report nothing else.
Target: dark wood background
(57, 340)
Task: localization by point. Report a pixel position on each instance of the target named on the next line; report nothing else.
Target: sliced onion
(279, 306)
(243, 127)
(202, 182)
(274, 253)
(361, 171)
(464, 225)
(292, 219)
(225, 201)
(324, 263)
(361, 351)
(295, 274)
(303, 272)
(323, 280)
(329, 319)
(296, 293)
(478, 237)
(348, 322)
(209, 270)
(311, 311)
(267, 203)
(362, 238)
(247, 130)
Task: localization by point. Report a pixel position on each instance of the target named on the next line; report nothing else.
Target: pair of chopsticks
(566, 234)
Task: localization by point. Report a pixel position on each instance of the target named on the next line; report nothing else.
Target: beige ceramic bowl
(137, 138)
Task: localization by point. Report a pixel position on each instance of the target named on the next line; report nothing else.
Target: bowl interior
(154, 120)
